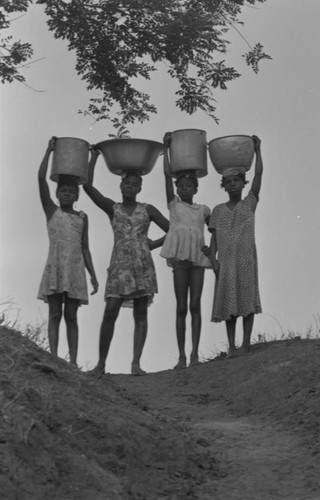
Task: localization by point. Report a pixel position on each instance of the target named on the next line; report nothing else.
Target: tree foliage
(118, 41)
(13, 54)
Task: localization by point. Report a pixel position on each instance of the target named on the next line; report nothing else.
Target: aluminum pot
(123, 155)
(231, 151)
(70, 157)
(188, 152)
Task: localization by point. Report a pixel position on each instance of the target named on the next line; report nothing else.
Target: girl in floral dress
(131, 274)
(64, 281)
(184, 250)
(234, 256)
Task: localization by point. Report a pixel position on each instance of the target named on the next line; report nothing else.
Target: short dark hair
(240, 174)
(129, 173)
(192, 177)
(68, 180)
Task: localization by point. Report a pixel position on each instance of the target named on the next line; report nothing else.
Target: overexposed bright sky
(281, 105)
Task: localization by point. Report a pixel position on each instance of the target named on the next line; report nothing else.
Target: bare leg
(196, 286)
(181, 280)
(247, 330)
(55, 314)
(140, 314)
(231, 333)
(110, 316)
(70, 316)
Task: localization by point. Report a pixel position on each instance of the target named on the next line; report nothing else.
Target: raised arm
(256, 182)
(47, 203)
(106, 204)
(167, 169)
(87, 257)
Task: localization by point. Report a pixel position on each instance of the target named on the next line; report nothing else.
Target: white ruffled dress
(185, 237)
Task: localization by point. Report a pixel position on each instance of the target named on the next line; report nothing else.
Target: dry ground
(244, 428)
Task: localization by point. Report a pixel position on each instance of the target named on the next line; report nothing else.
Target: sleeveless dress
(236, 288)
(185, 237)
(65, 269)
(131, 273)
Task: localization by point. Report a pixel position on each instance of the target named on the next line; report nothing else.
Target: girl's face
(233, 184)
(67, 195)
(186, 189)
(130, 186)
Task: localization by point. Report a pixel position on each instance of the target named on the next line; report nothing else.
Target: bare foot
(97, 372)
(194, 361)
(233, 353)
(136, 370)
(244, 351)
(182, 363)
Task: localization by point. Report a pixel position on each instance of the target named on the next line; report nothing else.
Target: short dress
(65, 268)
(185, 237)
(131, 273)
(236, 288)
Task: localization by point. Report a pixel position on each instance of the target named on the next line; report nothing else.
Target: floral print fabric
(131, 273)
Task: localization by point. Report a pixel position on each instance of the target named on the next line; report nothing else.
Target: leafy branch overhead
(13, 54)
(119, 41)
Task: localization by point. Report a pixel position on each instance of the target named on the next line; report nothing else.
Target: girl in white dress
(183, 250)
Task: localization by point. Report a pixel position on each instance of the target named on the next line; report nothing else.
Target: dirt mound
(243, 428)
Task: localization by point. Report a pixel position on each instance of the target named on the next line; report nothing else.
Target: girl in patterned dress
(183, 250)
(131, 274)
(63, 280)
(233, 253)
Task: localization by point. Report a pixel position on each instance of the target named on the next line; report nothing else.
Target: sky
(281, 105)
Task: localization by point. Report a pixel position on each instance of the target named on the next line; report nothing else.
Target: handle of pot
(167, 149)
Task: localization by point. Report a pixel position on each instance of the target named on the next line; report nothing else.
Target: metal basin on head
(231, 151)
(123, 155)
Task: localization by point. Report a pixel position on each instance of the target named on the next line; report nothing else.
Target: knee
(140, 315)
(182, 309)
(195, 307)
(55, 314)
(140, 311)
(70, 316)
(110, 313)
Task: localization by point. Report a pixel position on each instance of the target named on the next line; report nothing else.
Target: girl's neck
(129, 205)
(189, 201)
(129, 202)
(68, 210)
(234, 198)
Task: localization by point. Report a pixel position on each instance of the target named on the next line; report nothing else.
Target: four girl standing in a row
(131, 274)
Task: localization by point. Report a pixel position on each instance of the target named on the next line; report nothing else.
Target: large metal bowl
(123, 155)
(231, 151)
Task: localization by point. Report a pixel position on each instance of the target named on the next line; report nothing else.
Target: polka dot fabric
(236, 288)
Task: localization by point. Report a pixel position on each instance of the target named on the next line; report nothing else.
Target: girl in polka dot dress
(233, 253)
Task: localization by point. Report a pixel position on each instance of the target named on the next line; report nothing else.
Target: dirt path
(257, 459)
(233, 429)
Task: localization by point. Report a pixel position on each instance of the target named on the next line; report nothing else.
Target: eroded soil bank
(244, 428)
